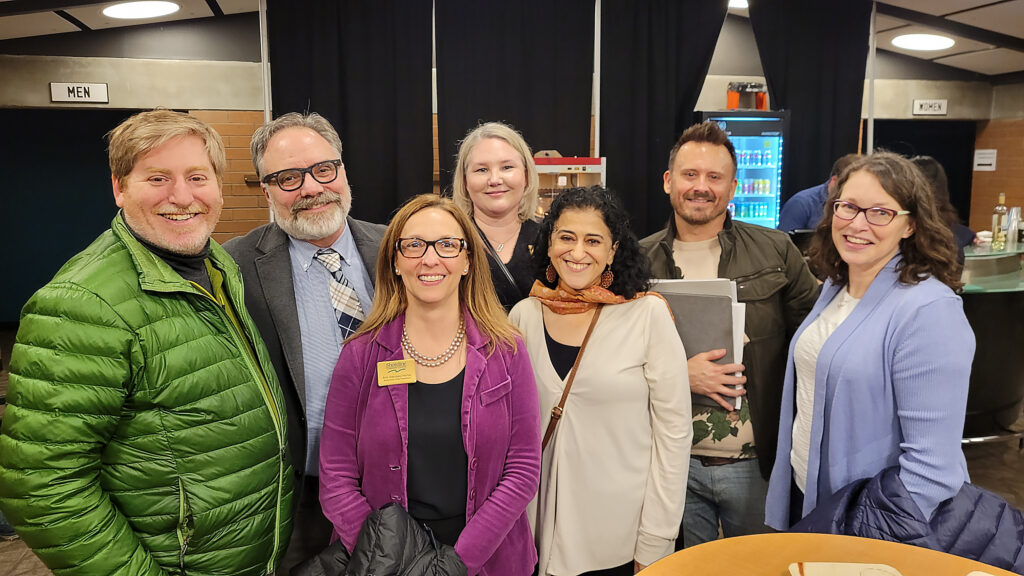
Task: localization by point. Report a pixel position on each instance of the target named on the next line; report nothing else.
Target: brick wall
(245, 206)
(1006, 136)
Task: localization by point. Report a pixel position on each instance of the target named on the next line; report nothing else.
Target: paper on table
(841, 569)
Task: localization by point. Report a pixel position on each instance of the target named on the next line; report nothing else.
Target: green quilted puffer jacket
(144, 433)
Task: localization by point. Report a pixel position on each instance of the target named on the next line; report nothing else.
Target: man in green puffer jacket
(144, 432)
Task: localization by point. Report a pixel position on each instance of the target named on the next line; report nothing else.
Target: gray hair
(528, 205)
(315, 122)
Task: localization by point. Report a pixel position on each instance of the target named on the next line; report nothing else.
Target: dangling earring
(607, 277)
(550, 275)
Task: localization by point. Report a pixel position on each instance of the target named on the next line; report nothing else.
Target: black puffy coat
(390, 543)
(975, 523)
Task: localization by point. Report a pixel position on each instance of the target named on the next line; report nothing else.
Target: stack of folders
(708, 317)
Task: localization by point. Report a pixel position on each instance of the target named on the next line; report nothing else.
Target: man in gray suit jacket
(309, 279)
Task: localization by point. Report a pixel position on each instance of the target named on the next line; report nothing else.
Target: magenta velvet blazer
(363, 450)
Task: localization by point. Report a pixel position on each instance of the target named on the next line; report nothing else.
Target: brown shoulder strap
(556, 412)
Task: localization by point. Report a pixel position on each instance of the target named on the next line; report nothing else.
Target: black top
(562, 356)
(438, 465)
(520, 266)
(191, 268)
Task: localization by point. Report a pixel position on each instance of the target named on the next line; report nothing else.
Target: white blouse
(805, 358)
(613, 477)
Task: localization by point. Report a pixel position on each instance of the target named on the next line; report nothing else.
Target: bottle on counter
(999, 223)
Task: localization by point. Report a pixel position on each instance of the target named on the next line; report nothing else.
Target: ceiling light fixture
(136, 10)
(738, 4)
(922, 42)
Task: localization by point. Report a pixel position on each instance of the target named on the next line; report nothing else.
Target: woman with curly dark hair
(878, 372)
(615, 403)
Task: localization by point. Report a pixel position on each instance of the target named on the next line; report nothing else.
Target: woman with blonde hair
(496, 183)
(433, 404)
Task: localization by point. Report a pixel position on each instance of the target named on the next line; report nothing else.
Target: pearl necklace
(433, 361)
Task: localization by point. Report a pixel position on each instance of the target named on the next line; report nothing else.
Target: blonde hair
(476, 291)
(528, 204)
(145, 131)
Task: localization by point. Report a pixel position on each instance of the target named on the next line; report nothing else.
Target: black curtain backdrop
(951, 142)
(527, 63)
(365, 66)
(654, 57)
(814, 55)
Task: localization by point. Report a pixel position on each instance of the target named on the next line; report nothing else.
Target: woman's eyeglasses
(417, 247)
(876, 215)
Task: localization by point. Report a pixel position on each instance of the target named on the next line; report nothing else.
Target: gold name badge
(396, 372)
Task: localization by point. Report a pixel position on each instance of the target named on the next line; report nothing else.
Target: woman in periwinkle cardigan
(456, 441)
(878, 371)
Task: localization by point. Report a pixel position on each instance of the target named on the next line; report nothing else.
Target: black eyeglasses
(443, 247)
(876, 215)
(291, 179)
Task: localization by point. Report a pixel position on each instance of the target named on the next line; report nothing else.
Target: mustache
(700, 196)
(325, 197)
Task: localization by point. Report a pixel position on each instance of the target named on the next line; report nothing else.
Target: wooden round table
(771, 555)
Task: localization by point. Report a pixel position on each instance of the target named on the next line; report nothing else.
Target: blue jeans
(733, 494)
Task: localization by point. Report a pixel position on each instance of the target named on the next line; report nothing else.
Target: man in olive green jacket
(145, 431)
(733, 450)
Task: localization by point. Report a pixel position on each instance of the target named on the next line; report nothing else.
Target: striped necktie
(343, 297)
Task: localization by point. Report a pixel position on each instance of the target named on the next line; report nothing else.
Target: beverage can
(767, 157)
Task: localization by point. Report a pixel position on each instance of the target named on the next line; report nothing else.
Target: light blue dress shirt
(321, 336)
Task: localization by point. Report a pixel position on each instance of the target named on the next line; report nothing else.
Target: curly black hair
(630, 266)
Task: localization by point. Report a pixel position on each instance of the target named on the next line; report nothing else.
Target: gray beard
(313, 227)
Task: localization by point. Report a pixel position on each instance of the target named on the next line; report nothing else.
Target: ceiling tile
(962, 44)
(998, 61)
(238, 6)
(883, 22)
(1006, 18)
(936, 7)
(92, 16)
(37, 24)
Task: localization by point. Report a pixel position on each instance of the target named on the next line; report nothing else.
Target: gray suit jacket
(266, 266)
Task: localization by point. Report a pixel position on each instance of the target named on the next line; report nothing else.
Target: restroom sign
(78, 92)
(930, 107)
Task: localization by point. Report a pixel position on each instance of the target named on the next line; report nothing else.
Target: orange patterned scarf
(565, 300)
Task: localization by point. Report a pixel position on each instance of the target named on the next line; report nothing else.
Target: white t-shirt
(805, 357)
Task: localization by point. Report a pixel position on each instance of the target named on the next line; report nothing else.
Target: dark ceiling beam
(1008, 78)
(952, 27)
(17, 7)
(81, 25)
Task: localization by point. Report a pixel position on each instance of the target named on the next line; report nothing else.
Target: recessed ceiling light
(922, 42)
(134, 10)
(738, 4)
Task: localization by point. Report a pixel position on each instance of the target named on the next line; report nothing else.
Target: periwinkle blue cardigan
(890, 388)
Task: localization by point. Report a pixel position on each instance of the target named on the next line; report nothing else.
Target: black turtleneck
(190, 267)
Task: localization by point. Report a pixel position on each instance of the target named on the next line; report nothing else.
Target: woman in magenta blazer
(433, 404)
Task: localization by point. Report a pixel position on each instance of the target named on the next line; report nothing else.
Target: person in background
(614, 474)
(433, 405)
(939, 184)
(804, 209)
(309, 278)
(733, 450)
(145, 429)
(496, 184)
(877, 375)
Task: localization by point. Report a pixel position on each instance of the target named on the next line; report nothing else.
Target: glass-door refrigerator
(759, 138)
